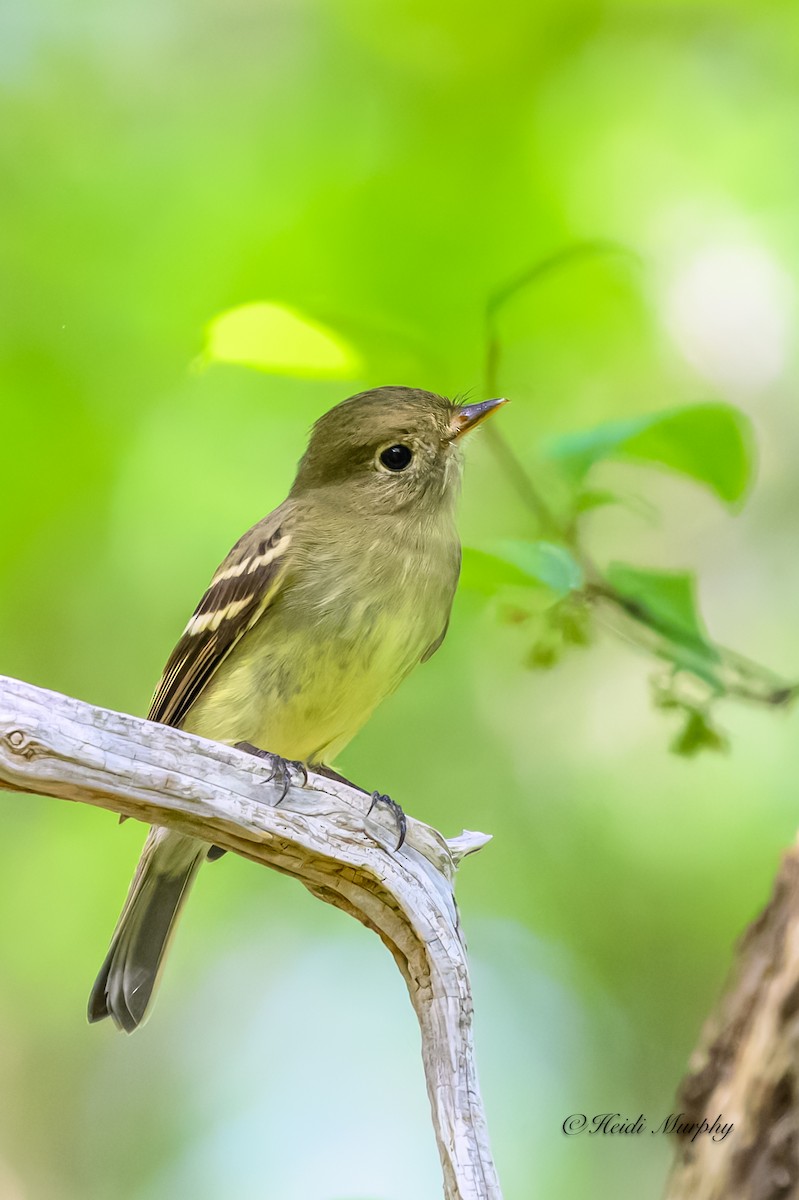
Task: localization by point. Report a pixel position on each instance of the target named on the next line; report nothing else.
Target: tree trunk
(746, 1068)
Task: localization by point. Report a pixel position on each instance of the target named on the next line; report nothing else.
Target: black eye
(396, 458)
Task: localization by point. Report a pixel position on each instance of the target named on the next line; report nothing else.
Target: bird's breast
(342, 634)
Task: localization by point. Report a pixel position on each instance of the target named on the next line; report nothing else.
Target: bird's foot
(377, 798)
(286, 772)
(396, 812)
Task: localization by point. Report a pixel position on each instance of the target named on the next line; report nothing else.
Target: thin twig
(540, 271)
(734, 675)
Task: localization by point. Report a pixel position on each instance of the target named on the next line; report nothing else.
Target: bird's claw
(396, 812)
(282, 770)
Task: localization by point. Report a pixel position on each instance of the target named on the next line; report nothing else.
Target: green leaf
(711, 443)
(487, 573)
(668, 598)
(280, 340)
(521, 564)
(545, 562)
(666, 601)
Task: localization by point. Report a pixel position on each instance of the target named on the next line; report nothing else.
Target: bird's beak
(468, 416)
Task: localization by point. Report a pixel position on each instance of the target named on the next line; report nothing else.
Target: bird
(318, 612)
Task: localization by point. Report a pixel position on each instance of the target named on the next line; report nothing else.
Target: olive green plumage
(317, 613)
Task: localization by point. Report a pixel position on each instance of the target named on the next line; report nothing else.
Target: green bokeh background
(384, 167)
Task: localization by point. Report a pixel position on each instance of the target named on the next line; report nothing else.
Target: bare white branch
(57, 746)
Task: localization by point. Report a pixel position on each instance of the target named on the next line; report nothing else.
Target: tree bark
(746, 1067)
(320, 834)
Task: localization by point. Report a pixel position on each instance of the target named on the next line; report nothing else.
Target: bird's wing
(456, 570)
(240, 591)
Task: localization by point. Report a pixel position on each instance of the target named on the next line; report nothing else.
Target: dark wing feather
(456, 565)
(240, 591)
(431, 649)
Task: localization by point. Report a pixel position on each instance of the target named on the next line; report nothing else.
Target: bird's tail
(127, 980)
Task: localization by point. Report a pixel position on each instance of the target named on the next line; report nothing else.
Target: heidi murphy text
(612, 1123)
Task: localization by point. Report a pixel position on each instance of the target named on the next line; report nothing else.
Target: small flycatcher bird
(317, 613)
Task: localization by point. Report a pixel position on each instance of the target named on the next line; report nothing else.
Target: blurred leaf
(521, 564)
(544, 655)
(565, 623)
(280, 340)
(698, 734)
(595, 498)
(711, 443)
(572, 619)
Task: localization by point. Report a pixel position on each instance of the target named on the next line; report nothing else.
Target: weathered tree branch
(57, 746)
(746, 1067)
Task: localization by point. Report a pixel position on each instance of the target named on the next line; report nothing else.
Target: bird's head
(391, 448)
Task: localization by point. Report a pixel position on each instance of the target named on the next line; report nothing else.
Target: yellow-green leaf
(280, 340)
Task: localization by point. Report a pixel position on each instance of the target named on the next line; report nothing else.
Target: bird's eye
(396, 458)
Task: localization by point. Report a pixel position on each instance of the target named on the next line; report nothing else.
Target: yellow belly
(304, 695)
